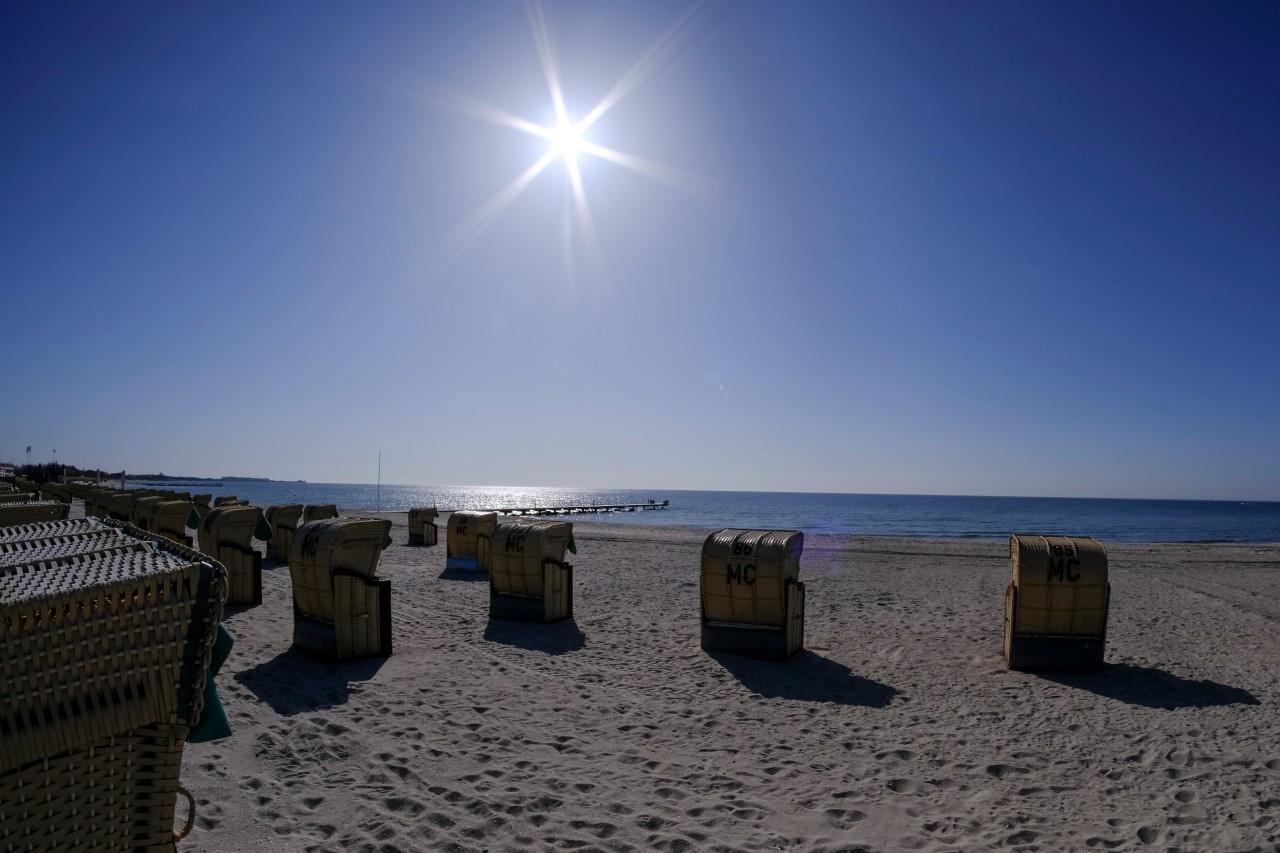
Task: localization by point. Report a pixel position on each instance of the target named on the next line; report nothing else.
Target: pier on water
(573, 510)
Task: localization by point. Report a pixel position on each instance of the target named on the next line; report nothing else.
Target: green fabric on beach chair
(226, 533)
(341, 609)
(529, 579)
(752, 597)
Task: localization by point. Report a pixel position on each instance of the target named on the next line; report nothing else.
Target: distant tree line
(47, 472)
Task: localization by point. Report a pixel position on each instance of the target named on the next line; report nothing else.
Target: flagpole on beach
(379, 481)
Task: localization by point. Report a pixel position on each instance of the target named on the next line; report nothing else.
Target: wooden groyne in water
(572, 510)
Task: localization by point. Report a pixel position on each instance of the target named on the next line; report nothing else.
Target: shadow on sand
(293, 683)
(553, 638)
(806, 677)
(1154, 688)
(463, 575)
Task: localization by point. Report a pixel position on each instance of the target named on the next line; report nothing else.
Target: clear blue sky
(927, 247)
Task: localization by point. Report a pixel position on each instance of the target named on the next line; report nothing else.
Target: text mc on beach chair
(341, 609)
(467, 539)
(1055, 607)
(752, 597)
(529, 579)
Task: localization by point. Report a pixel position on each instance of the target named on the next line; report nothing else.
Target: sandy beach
(898, 727)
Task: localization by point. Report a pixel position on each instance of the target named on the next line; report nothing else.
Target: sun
(566, 140)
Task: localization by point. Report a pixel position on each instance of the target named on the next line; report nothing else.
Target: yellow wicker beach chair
(752, 597)
(168, 518)
(341, 609)
(226, 533)
(529, 579)
(16, 497)
(467, 540)
(32, 511)
(422, 525)
(47, 529)
(140, 512)
(104, 660)
(319, 512)
(1056, 604)
(284, 520)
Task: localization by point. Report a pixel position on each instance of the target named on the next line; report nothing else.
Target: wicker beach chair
(32, 511)
(16, 497)
(48, 529)
(752, 597)
(319, 512)
(529, 579)
(341, 609)
(169, 518)
(226, 533)
(1056, 604)
(284, 520)
(467, 540)
(104, 658)
(140, 512)
(422, 525)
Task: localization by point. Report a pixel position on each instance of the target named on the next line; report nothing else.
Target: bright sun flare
(566, 140)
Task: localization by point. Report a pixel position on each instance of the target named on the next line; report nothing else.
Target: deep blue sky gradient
(956, 248)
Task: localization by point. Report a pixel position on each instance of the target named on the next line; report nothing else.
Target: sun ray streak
(474, 225)
(542, 37)
(643, 69)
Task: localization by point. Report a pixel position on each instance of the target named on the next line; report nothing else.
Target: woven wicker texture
(226, 534)
(1061, 583)
(319, 512)
(120, 504)
(284, 520)
(518, 551)
(466, 530)
(17, 497)
(28, 513)
(49, 529)
(420, 517)
(62, 547)
(745, 574)
(333, 565)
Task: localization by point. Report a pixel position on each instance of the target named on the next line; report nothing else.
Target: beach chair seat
(752, 597)
(1056, 603)
(341, 609)
(467, 539)
(529, 579)
(226, 533)
(104, 661)
(422, 525)
(32, 511)
(319, 512)
(284, 520)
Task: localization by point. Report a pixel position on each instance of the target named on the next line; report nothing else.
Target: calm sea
(877, 515)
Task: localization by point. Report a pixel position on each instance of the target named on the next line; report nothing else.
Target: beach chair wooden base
(555, 604)
(362, 620)
(762, 642)
(1049, 652)
(429, 535)
(244, 573)
(1039, 653)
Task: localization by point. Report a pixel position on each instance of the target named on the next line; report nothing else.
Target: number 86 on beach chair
(752, 598)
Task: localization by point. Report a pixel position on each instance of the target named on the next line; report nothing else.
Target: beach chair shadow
(552, 638)
(463, 575)
(807, 677)
(294, 683)
(1151, 687)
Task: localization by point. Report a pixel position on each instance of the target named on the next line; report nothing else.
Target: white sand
(897, 729)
